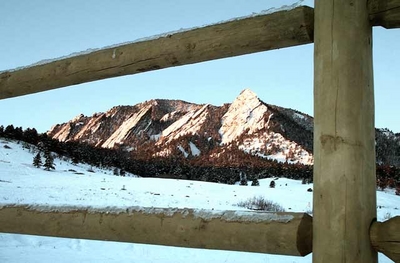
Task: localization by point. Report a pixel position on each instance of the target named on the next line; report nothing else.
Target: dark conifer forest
(230, 168)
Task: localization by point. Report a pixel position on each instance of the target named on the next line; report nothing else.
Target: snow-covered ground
(74, 185)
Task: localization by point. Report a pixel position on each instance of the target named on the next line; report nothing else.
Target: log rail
(238, 37)
(263, 232)
(234, 38)
(251, 231)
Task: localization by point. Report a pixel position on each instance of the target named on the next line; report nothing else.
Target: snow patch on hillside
(299, 116)
(193, 148)
(155, 137)
(183, 151)
(274, 146)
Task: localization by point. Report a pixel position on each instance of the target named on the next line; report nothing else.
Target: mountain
(246, 133)
(203, 133)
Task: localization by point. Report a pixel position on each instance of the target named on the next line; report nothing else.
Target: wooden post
(344, 149)
(263, 232)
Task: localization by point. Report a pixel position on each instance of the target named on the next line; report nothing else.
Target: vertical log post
(344, 168)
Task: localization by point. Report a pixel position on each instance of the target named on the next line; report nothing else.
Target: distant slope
(207, 134)
(163, 128)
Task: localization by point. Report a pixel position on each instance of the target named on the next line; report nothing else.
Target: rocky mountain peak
(78, 117)
(246, 114)
(247, 94)
(164, 128)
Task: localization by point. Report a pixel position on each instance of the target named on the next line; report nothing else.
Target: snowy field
(73, 185)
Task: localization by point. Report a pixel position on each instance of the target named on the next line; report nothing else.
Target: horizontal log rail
(238, 37)
(250, 231)
(385, 13)
(264, 232)
(234, 38)
(385, 238)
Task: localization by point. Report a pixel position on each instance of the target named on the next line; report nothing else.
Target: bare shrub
(391, 183)
(382, 184)
(260, 203)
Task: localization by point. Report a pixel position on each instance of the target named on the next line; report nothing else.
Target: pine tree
(37, 160)
(272, 184)
(255, 182)
(243, 179)
(75, 160)
(49, 161)
(243, 182)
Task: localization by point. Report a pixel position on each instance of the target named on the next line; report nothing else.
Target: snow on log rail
(264, 232)
(247, 35)
(233, 38)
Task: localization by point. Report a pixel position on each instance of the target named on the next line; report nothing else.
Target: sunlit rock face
(162, 128)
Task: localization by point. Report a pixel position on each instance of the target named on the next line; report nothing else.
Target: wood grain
(234, 38)
(344, 146)
(263, 232)
(385, 237)
(385, 13)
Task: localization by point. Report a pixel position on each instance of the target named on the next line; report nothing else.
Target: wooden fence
(344, 227)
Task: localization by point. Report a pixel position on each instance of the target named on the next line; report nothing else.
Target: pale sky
(33, 30)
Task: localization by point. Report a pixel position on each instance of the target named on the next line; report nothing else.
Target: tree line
(227, 169)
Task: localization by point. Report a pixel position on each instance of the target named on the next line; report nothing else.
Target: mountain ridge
(178, 139)
(162, 128)
(208, 134)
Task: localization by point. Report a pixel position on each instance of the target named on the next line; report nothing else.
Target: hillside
(73, 185)
(177, 139)
(246, 133)
(165, 128)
